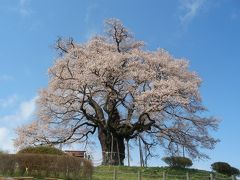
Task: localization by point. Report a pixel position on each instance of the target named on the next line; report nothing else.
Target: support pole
(140, 152)
(187, 176)
(164, 175)
(139, 175)
(128, 152)
(119, 161)
(114, 174)
(111, 158)
(211, 176)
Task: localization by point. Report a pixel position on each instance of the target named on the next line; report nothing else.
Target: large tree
(112, 86)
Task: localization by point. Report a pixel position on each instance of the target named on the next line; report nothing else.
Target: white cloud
(23, 113)
(27, 108)
(3, 134)
(189, 9)
(5, 140)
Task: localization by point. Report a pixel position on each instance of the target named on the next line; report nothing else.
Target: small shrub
(225, 168)
(177, 161)
(41, 150)
(44, 165)
(2, 152)
(235, 171)
(7, 164)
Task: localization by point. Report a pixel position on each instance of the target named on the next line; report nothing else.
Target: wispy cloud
(235, 14)
(9, 101)
(189, 9)
(91, 7)
(23, 113)
(91, 28)
(20, 7)
(6, 77)
(24, 8)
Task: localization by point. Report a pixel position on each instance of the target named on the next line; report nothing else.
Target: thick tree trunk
(113, 148)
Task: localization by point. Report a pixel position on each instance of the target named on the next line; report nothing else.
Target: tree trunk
(112, 154)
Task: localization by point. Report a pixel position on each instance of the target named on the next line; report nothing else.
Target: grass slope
(152, 173)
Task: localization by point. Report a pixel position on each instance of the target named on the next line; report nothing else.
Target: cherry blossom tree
(115, 88)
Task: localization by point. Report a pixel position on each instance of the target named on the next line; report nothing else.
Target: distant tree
(112, 86)
(224, 168)
(178, 161)
(41, 150)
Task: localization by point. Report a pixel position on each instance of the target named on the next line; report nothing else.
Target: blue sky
(207, 32)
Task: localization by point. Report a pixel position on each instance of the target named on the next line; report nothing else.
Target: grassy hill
(152, 173)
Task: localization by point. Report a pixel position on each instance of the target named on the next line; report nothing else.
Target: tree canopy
(112, 86)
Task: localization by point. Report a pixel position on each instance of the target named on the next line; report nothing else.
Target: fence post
(139, 175)
(164, 175)
(233, 177)
(187, 175)
(114, 174)
(211, 176)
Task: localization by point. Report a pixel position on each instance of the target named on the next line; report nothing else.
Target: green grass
(152, 173)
